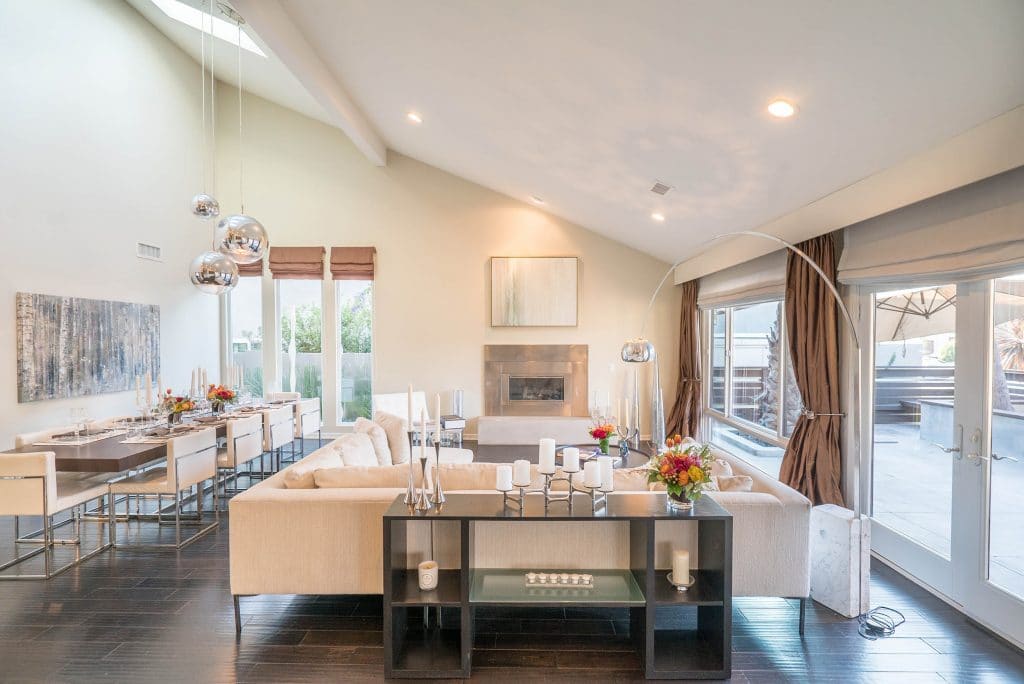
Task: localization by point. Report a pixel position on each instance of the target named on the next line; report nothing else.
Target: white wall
(434, 234)
(99, 149)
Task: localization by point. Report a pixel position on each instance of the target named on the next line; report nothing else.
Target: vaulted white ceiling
(586, 103)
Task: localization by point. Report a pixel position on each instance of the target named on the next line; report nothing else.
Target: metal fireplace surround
(545, 379)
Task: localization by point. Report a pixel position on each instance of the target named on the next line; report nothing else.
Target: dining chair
(191, 461)
(283, 396)
(278, 431)
(244, 445)
(31, 486)
(30, 438)
(308, 420)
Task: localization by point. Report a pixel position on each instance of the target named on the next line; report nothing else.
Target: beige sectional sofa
(328, 539)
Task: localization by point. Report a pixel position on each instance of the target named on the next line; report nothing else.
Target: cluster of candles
(423, 423)
(199, 383)
(560, 578)
(597, 474)
(147, 382)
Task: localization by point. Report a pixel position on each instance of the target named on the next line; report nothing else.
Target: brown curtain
(684, 415)
(812, 464)
(297, 263)
(352, 263)
(253, 269)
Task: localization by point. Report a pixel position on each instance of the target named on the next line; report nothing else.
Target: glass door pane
(355, 355)
(1006, 477)
(245, 314)
(299, 304)
(915, 357)
(718, 323)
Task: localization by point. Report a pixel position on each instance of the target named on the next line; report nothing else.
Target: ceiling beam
(272, 24)
(980, 152)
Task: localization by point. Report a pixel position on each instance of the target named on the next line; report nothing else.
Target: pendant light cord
(241, 196)
(213, 111)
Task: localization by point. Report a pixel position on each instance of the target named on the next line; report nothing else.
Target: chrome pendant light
(239, 236)
(213, 273)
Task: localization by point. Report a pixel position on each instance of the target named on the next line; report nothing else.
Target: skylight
(215, 26)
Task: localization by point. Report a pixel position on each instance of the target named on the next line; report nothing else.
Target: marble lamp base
(840, 559)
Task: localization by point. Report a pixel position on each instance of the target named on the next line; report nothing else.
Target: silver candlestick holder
(627, 435)
(515, 498)
(423, 502)
(598, 497)
(438, 496)
(410, 491)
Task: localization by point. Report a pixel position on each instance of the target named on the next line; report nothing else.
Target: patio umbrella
(910, 314)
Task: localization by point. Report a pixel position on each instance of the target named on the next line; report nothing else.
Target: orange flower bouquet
(176, 405)
(602, 432)
(219, 395)
(685, 472)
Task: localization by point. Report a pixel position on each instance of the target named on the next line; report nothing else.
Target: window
(355, 348)
(299, 310)
(752, 400)
(245, 320)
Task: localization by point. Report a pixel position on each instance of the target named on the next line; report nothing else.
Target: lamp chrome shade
(205, 206)
(242, 238)
(639, 350)
(213, 273)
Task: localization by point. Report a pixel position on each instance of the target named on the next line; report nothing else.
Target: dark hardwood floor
(135, 616)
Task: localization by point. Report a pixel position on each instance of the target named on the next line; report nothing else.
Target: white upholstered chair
(278, 430)
(308, 421)
(191, 460)
(283, 396)
(244, 445)
(31, 486)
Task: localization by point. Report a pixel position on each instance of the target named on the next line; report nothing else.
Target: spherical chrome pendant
(205, 206)
(213, 273)
(242, 238)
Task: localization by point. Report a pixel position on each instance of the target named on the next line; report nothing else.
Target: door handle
(958, 449)
(997, 457)
(976, 455)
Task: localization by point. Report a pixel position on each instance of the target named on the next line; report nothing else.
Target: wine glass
(80, 419)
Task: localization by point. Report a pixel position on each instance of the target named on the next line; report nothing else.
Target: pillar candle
(192, 386)
(206, 384)
(138, 390)
(521, 473)
(605, 465)
(504, 478)
(680, 566)
(409, 413)
(423, 433)
(547, 456)
(159, 387)
(591, 474)
(571, 460)
(437, 415)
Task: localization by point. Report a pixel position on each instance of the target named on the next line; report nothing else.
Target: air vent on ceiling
(147, 251)
(660, 188)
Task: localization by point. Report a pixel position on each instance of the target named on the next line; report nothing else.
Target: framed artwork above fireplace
(534, 291)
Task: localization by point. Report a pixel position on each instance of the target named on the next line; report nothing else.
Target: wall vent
(147, 251)
(660, 188)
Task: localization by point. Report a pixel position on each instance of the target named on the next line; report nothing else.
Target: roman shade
(297, 263)
(971, 233)
(352, 263)
(757, 280)
(253, 269)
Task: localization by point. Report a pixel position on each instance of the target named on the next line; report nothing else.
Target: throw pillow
(720, 467)
(378, 437)
(397, 431)
(357, 450)
(362, 477)
(301, 475)
(735, 483)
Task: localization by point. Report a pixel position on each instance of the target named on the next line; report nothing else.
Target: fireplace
(535, 380)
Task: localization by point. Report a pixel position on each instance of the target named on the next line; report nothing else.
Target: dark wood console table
(697, 647)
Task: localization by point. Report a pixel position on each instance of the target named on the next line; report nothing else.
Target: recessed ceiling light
(215, 26)
(414, 117)
(658, 216)
(536, 200)
(781, 109)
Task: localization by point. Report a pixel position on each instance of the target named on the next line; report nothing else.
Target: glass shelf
(611, 587)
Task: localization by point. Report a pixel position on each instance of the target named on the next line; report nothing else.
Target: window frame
(777, 437)
(338, 350)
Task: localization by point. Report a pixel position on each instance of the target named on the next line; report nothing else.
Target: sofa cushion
(735, 483)
(379, 438)
(397, 431)
(301, 474)
(353, 477)
(357, 450)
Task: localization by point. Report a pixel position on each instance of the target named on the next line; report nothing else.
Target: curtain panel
(684, 415)
(812, 463)
(352, 263)
(297, 263)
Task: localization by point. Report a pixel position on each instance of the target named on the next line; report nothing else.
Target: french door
(946, 492)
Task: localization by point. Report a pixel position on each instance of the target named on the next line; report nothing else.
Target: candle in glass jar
(680, 566)
(546, 459)
(504, 478)
(605, 465)
(571, 460)
(521, 473)
(591, 474)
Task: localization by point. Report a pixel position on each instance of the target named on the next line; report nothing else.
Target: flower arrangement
(685, 471)
(176, 405)
(218, 395)
(602, 432)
